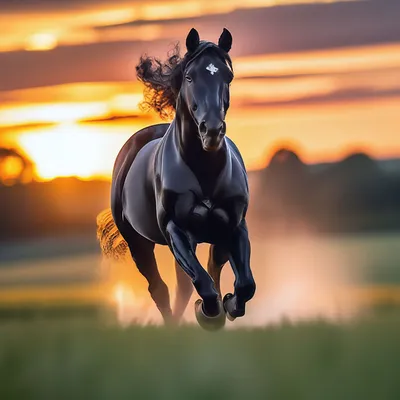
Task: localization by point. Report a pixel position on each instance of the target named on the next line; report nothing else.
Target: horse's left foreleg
(244, 282)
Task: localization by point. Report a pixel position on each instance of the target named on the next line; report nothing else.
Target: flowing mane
(162, 79)
(159, 79)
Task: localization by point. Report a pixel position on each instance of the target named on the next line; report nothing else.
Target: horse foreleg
(209, 310)
(244, 282)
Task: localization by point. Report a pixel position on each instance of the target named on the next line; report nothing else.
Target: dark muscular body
(185, 183)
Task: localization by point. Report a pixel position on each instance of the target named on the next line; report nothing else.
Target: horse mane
(162, 79)
(158, 78)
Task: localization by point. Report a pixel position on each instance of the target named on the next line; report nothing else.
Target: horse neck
(206, 166)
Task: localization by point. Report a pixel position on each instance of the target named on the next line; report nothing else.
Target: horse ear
(225, 40)
(192, 40)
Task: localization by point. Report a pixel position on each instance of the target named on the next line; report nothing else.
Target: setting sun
(70, 149)
(42, 41)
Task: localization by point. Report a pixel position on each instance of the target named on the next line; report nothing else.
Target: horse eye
(188, 78)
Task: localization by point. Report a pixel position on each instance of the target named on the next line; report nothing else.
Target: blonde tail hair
(112, 243)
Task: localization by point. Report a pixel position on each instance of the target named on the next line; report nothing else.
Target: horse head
(204, 90)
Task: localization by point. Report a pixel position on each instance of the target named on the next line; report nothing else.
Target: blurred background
(314, 110)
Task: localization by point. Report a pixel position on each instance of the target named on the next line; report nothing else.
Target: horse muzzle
(212, 134)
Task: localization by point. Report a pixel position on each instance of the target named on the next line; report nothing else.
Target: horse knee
(246, 290)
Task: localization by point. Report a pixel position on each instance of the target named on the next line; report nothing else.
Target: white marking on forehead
(212, 68)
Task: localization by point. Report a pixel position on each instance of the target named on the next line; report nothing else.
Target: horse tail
(112, 244)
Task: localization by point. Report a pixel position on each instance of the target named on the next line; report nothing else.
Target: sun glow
(88, 150)
(126, 103)
(131, 308)
(300, 103)
(71, 149)
(41, 41)
(11, 169)
(51, 113)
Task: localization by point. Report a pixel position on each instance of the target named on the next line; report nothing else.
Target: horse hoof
(231, 308)
(206, 322)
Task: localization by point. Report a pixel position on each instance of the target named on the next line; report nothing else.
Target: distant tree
(14, 167)
(285, 184)
(286, 162)
(358, 166)
(354, 194)
(351, 192)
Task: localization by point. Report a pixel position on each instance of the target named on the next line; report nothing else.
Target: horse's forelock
(204, 46)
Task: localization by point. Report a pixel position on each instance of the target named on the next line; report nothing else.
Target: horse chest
(207, 219)
(203, 212)
(208, 222)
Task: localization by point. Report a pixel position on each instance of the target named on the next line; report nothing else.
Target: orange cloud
(76, 26)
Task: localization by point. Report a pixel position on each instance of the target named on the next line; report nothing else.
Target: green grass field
(57, 341)
(87, 358)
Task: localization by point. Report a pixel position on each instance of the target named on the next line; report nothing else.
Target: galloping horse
(185, 183)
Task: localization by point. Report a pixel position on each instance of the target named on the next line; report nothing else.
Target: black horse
(185, 183)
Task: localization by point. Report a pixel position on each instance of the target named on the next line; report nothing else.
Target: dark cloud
(347, 95)
(102, 62)
(336, 74)
(298, 27)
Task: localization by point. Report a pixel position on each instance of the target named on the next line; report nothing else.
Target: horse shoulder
(235, 184)
(174, 179)
(233, 192)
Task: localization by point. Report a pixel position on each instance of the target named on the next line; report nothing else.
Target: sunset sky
(320, 76)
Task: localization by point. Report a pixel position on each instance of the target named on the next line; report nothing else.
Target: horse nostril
(220, 129)
(202, 127)
(217, 130)
(223, 127)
